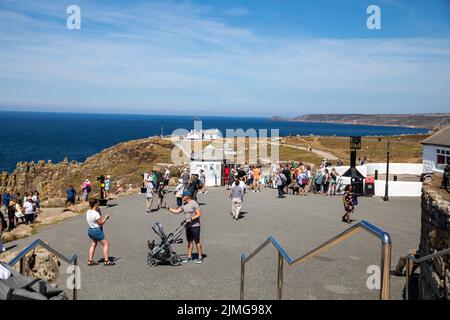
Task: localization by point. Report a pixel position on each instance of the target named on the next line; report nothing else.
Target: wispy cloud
(179, 57)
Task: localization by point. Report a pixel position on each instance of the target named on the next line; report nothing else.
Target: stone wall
(434, 281)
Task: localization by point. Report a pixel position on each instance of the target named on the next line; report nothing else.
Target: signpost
(386, 189)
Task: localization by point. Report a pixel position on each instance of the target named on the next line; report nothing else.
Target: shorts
(96, 234)
(193, 234)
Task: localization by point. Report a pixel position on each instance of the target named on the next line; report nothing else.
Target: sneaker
(4, 249)
(187, 260)
(199, 260)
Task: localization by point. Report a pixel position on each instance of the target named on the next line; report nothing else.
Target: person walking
(279, 184)
(348, 201)
(191, 210)
(149, 196)
(95, 232)
(185, 177)
(161, 194)
(236, 196)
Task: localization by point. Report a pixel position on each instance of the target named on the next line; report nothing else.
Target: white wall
(394, 168)
(212, 169)
(398, 188)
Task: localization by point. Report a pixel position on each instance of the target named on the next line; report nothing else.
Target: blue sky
(225, 57)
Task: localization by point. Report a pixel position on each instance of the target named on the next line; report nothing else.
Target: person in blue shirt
(71, 194)
(6, 199)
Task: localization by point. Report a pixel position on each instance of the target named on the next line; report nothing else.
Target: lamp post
(386, 189)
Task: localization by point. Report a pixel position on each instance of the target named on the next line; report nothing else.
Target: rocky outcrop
(434, 281)
(38, 263)
(125, 162)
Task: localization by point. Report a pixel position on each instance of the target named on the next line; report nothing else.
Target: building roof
(440, 138)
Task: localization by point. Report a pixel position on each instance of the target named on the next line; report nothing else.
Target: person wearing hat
(191, 210)
(179, 192)
(86, 188)
(161, 193)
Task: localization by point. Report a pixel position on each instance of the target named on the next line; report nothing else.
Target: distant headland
(422, 120)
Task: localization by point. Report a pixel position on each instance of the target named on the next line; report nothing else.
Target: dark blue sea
(27, 136)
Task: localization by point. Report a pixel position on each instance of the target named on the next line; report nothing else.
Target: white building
(436, 151)
(210, 134)
(194, 135)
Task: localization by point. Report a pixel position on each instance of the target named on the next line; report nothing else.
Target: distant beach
(33, 136)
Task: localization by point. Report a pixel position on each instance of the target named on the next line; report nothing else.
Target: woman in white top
(95, 232)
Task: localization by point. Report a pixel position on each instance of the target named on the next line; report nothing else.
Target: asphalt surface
(298, 223)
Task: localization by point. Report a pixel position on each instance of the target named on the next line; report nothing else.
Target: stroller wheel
(175, 260)
(152, 262)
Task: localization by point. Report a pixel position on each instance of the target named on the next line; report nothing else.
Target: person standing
(348, 201)
(161, 194)
(29, 211)
(332, 182)
(2, 228)
(149, 196)
(36, 201)
(107, 186)
(202, 178)
(71, 194)
(256, 177)
(86, 189)
(7, 196)
(11, 215)
(96, 234)
(179, 189)
(192, 212)
(167, 177)
(236, 196)
(185, 177)
(226, 174)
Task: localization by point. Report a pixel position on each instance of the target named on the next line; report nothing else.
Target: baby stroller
(163, 250)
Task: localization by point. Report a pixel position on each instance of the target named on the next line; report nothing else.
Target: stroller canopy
(158, 228)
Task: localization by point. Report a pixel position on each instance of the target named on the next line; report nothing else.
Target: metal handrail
(282, 254)
(411, 261)
(38, 242)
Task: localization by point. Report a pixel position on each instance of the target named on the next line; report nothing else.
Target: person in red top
(226, 174)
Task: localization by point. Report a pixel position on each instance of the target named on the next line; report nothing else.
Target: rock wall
(434, 281)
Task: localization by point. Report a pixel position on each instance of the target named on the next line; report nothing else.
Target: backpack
(88, 188)
(199, 184)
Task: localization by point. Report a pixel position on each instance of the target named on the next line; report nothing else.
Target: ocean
(33, 136)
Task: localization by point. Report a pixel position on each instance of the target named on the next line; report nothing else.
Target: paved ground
(298, 223)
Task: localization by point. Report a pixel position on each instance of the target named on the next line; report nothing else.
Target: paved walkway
(320, 153)
(298, 223)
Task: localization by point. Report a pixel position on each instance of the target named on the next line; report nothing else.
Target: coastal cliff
(425, 120)
(125, 162)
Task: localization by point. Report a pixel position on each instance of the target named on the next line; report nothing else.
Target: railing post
(280, 276)
(75, 280)
(21, 266)
(385, 292)
(242, 277)
(409, 266)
